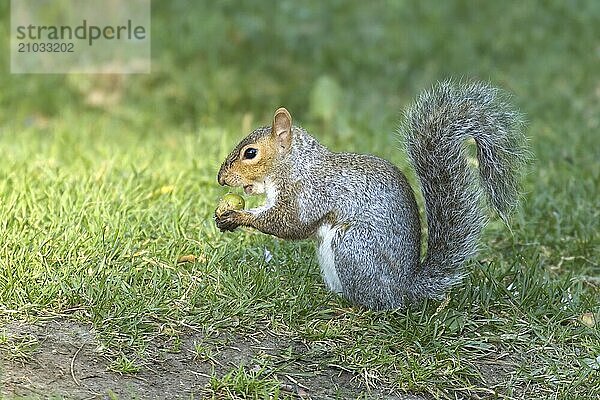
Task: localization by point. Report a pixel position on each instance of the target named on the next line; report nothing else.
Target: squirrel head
(256, 157)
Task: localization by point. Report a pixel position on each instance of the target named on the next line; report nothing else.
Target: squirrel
(361, 209)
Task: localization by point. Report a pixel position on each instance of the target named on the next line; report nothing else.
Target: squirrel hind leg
(368, 271)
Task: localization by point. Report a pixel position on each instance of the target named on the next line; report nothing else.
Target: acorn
(230, 201)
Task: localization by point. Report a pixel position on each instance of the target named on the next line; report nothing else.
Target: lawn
(106, 181)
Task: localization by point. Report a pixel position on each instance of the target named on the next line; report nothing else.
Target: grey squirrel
(362, 210)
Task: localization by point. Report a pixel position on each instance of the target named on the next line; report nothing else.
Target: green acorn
(230, 201)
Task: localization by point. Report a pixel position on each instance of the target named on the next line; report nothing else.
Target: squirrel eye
(250, 153)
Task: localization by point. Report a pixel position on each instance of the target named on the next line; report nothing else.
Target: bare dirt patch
(63, 359)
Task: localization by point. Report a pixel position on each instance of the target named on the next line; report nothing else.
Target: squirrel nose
(221, 178)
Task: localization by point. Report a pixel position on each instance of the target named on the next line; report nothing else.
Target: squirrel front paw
(228, 220)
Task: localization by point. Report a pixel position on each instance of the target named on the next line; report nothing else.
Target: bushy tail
(437, 126)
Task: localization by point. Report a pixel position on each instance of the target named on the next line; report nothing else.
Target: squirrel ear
(282, 128)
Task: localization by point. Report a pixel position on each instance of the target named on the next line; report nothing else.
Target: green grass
(247, 384)
(18, 347)
(124, 365)
(98, 200)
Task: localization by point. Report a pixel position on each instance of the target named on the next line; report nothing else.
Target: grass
(246, 384)
(18, 347)
(100, 197)
(124, 365)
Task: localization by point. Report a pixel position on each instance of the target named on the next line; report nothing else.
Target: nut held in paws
(230, 201)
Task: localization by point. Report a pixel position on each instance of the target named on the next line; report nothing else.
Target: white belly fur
(326, 258)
